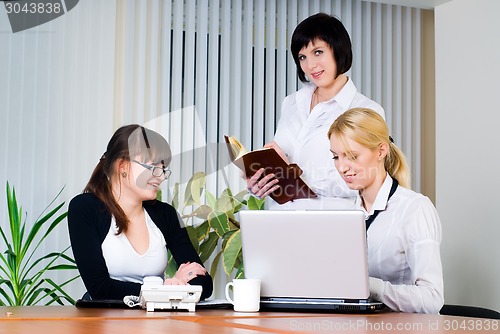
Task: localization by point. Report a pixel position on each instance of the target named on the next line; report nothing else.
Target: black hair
(329, 29)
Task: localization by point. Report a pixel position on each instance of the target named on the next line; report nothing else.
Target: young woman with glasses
(119, 232)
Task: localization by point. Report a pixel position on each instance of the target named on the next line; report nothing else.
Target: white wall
(467, 149)
(56, 110)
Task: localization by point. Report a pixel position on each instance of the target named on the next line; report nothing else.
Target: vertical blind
(193, 70)
(56, 113)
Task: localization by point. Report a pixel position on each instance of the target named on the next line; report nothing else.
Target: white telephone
(156, 295)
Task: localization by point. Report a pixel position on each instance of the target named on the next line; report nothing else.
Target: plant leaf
(225, 202)
(63, 267)
(15, 218)
(24, 282)
(219, 221)
(254, 203)
(231, 252)
(240, 273)
(37, 226)
(202, 230)
(239, 200)
(159, 194)
(171, 266)
(191, 231)
(8, 299)
(57, 288)
(194, 189)
(211, 200)
(215, 264)
(197, 186)
(5, 268)
(202, 212)
(240, 197)
(51, 256)
(175, 196)
(207, 247)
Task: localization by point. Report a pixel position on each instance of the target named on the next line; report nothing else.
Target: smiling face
(142, 178)
(135, 182)
(317, 60)
(149, 153)
(135, 154)
(361, 168)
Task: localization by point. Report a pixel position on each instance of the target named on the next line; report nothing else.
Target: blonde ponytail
(395, 164)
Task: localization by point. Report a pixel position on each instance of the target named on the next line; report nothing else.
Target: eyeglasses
(155, 170)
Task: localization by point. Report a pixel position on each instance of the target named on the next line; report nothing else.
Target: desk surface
(72, 320)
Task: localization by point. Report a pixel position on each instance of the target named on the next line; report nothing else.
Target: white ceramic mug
(246, 294)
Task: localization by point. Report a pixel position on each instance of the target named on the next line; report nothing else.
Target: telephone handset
(156, 295)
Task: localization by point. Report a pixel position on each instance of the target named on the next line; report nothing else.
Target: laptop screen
(306, 254)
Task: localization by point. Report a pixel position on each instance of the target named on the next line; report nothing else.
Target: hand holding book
(262, 185)
(278, 149)
(266, 168)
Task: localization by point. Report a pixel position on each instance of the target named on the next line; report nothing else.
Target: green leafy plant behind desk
(211, 221)
(23, 276)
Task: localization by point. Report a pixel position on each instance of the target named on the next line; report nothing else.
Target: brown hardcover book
(291, 184)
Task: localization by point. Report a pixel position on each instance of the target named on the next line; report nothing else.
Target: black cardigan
(89, 223)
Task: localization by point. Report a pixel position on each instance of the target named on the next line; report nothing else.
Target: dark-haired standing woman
(321, 49)
(119, 232)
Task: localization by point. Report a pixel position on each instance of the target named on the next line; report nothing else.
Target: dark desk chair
(469, 311)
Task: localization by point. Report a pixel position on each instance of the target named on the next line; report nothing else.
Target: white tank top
(125, 264)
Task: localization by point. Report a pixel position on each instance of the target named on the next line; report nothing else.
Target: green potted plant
(23, 276)
(212, 221)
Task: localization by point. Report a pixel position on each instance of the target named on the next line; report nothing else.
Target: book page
(237, 149)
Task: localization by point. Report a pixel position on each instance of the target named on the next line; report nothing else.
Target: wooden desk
(72, 320)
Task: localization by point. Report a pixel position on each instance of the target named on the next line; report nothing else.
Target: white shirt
(302, 134)
(123, 261)
(404, 260)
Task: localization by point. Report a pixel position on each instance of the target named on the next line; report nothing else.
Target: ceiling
(424, 4)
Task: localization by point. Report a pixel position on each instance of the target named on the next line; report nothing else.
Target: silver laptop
(313, 260)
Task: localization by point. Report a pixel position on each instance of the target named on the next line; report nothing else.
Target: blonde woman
(403, 227)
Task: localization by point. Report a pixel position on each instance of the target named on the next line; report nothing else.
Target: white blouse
(302, 134)
(404, 260)
(123, 261)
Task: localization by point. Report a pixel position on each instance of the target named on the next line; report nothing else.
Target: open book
(291, 185)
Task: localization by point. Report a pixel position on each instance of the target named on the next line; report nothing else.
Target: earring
(124, 174)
